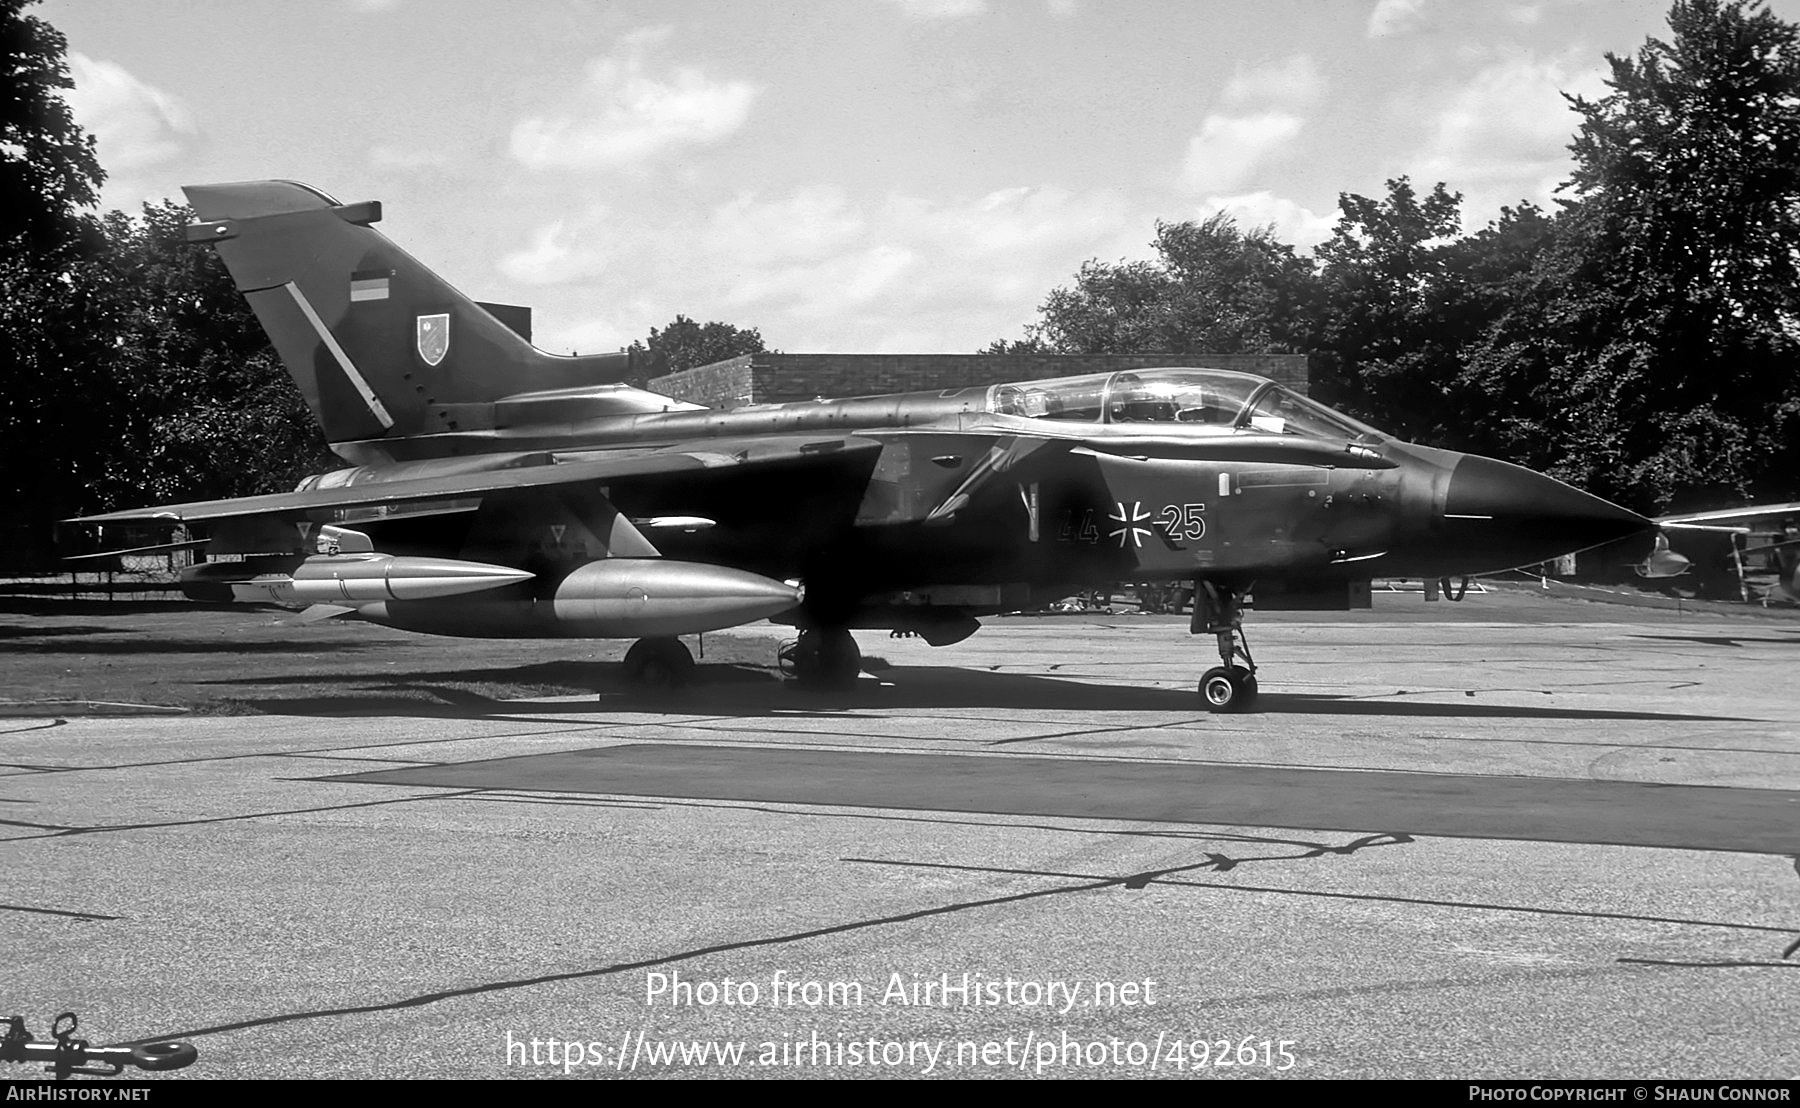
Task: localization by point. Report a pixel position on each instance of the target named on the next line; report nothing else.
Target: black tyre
(1247, 688)
(163, 1056)
(824, 659)
(840, 659)
(658, 665)
(1227, 690)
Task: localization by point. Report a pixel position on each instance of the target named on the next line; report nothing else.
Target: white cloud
(135, 125)
(1257, 115)
(918, 263)
(625, 115)
(1297, 226)
(1504, 135)
(854, 284)
(597, 336)
(1227, 151)
(817, 270)
(940, 9)
(549, 260)
(1294, 82)
(812, 223)
(945, 10)
(1394, 17)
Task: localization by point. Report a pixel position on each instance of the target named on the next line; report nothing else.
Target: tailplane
(380, 346)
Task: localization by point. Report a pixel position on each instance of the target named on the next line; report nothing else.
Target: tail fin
(380, 346)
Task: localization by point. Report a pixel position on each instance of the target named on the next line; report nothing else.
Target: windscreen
(1281, 411)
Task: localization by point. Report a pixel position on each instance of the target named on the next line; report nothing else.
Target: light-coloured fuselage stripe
(343, 360)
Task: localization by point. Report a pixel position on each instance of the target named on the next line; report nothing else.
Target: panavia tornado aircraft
(1786, 551)
(495, 490)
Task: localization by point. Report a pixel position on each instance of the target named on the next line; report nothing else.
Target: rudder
(379, 345)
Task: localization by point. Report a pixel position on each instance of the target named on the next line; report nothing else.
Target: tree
(60, 408)
(1030, 344)
(1504, 403)
(52, 310)
(1112, 309)
(1407, 295)
(1692, 163)
(48, 167)
(684, 344)
(212, 412)
(1213, 289)
(1383, 274)
(1660, 330)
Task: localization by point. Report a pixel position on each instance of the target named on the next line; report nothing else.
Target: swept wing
(558, 469)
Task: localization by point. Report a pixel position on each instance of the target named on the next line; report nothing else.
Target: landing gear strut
(1218, 610)
(658, 665)
(822, 658)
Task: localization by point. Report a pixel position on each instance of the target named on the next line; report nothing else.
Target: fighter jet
(1786, 550)
(493, 489)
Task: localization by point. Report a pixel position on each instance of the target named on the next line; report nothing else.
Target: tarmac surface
(1514, 837)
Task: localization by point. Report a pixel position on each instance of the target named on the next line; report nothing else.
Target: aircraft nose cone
(1505, 516)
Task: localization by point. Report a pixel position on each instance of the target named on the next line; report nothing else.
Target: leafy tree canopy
(1214, 288)
(212, 412)
(48, 166)
(54, 301)
(684, 344)
(1664, 322)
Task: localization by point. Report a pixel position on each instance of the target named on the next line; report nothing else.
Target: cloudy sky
(845, 175)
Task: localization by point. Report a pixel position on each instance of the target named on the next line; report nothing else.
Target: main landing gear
(658, 665)
(1218, 610)
(822, 658)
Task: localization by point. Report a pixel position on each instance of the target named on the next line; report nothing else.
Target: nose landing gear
(1218, 610)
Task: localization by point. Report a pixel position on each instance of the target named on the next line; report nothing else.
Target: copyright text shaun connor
(1647, 1092)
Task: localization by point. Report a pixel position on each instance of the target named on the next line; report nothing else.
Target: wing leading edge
(566, 469)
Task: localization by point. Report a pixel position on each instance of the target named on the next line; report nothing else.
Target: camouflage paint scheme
(913, 512)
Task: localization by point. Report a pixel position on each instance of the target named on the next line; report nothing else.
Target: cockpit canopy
(1216, 399)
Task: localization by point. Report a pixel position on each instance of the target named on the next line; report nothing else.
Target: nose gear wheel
(1218, 611)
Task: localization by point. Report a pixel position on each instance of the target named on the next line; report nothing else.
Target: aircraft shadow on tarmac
(62, 607)
(1727, 640)
(55, 632)
(752, 691)
(150, 645)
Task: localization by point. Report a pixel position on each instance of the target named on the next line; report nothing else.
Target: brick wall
(776, 378)
(719, 385)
